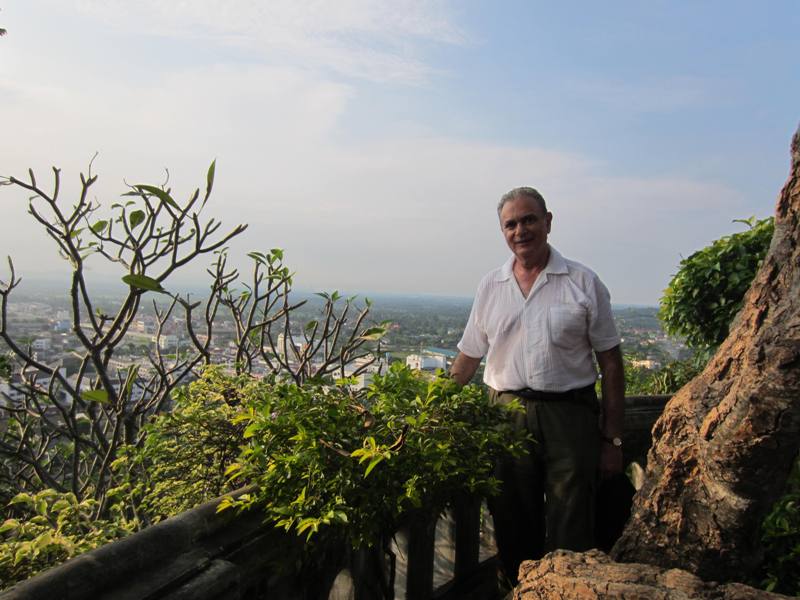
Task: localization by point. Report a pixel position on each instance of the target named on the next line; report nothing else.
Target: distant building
(165, 341)
(647, 363)
(146, 324)
(426, 362)
(62, 325)
(449, 354)
(41, 344)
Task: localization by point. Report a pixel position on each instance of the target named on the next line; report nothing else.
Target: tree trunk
(723, 448)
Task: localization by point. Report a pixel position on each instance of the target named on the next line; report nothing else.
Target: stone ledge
(592, 575)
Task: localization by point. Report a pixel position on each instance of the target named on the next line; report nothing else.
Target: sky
(371, 140)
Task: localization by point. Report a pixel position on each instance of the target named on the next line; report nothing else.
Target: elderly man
(538, 319)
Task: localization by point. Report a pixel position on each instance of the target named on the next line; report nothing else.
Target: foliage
(674, 375)
(147, 236)
(635, 377)
(329, 463)
(67, 430)
(49, 527)
(666, 380)
(780, 535)
(707, 291)
(185, 452)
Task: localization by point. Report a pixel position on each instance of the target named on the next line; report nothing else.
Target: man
(538, 319)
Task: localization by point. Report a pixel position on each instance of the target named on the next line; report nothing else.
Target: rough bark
(565, 575)
(724, 445)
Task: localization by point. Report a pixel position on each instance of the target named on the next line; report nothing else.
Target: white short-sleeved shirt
(545, 341)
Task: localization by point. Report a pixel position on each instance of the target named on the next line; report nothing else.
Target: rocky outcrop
(723, 448)
(565, 575)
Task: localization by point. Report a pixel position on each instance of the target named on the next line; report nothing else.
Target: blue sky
(371, 140)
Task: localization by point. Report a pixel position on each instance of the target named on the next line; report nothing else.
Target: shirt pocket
(567, 325)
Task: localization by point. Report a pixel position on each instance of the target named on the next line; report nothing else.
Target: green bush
(48, 528)
(329, 463)
(182, 460)
(780, 535)
(674, 375)
(664, 381)
(707, 291)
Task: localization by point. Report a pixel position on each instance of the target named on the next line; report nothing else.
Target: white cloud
(403, 212)
(371, 39)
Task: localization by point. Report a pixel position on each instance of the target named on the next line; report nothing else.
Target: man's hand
(464, 368)
(610, 460)
(613, 384)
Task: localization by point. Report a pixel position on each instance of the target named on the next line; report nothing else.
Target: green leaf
(21, 552)
(373, 463)
(100, 396)
(9, 525)
(136, 219)
(373, 333)
(143, 282)
(158, 193)
(22, 498)
(210, 177)
(226, 503)
(100, 226)
(232, 469)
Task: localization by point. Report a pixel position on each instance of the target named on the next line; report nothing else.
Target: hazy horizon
(33, 286)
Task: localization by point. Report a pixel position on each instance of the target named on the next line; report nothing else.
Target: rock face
(565, 575)
(724, 445)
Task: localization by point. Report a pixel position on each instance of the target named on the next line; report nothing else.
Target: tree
(725, 444)
(707, 291)
(66, 431)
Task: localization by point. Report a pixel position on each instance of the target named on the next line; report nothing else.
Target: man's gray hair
(528, 192)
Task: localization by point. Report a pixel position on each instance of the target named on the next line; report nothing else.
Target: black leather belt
(533, 395)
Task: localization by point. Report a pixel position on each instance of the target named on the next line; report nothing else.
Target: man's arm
(613, 387)
(464, 368)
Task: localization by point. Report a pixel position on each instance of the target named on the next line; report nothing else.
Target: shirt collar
(556, 265)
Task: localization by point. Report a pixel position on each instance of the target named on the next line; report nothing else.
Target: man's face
(525, 226)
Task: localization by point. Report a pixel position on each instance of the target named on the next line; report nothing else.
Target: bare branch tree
(64, 430)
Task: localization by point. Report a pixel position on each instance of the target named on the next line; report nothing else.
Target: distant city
(422, 331)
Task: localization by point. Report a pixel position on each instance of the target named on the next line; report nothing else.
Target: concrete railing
(204, 555)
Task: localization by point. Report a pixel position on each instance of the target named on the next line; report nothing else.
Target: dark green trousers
(547, 497)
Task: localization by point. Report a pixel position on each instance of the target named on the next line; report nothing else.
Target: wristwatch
(615, 441)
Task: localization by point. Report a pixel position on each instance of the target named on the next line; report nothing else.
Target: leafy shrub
(48, 528)
(664, 381)
(182, 460)
(707, 291)
(328, 462)
(780, 535)
(674, 375)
